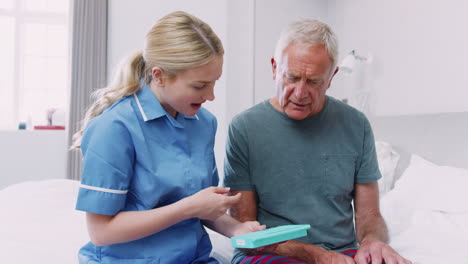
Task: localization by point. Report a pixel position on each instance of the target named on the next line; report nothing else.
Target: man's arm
(371, 229)
(369, 222)
(246, 210)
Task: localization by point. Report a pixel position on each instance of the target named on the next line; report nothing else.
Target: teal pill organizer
(269, 236)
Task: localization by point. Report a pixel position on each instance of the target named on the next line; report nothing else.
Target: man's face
(301, 78)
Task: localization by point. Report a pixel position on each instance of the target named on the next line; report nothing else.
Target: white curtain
(88, 67)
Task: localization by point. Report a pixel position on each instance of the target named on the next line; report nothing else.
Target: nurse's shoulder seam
(120, 113)
(121, 110)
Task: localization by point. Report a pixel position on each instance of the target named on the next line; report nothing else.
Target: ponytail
(126, 82)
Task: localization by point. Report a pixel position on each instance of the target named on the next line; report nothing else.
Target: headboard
(441, 138)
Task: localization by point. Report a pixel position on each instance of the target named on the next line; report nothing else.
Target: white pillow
(388, 159)
(433, 187)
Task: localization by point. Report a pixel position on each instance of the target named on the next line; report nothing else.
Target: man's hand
(376, 252)
(268, 249)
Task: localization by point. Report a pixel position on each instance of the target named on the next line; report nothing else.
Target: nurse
(148, 162)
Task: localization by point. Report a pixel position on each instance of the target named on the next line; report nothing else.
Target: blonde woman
(148, 160)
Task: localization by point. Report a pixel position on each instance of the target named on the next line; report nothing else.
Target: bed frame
(441, 138)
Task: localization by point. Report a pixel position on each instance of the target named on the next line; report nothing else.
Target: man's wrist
(300, 251)
(369, 239)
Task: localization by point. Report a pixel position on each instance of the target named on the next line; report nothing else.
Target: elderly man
(303, 157)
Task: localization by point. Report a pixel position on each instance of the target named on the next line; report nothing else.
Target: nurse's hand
(247, 227)
(252, 226)
(211, 203)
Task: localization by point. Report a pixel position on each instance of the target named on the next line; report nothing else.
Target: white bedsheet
(425, 236)
(39, 225)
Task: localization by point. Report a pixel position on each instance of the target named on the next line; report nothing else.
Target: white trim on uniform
(103, 189)
(197, 117)
(141, 109)
(214, 170)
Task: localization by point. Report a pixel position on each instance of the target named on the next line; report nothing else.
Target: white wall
(32, 155)
(239, 48)
(414, 71)
(419, 50)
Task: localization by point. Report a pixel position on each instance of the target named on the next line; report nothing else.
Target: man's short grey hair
(308, 31)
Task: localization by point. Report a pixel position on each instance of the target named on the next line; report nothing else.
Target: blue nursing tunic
(137, 157)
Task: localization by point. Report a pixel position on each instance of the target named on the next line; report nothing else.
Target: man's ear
(273, 67)
(157, 75)
(334, 73)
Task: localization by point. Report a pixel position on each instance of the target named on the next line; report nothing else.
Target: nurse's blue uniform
(137, 157)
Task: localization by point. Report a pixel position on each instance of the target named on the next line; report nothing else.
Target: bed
(424, 160)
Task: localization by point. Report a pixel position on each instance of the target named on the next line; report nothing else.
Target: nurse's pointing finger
(220, 190)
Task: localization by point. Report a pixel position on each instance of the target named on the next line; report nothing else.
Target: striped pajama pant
(273, 259)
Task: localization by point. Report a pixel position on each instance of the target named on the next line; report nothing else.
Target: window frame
(21, 17)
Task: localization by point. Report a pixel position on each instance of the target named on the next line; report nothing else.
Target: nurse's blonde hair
(177, 42)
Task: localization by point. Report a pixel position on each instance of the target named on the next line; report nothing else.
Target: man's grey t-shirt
(303, 171)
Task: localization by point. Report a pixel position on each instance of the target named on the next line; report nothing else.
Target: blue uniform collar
(151, 108)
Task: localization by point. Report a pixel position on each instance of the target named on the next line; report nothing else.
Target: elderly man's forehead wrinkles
(308, 75)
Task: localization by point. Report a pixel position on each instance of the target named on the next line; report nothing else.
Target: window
(34, 64)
